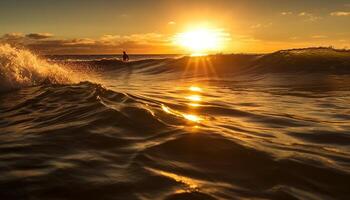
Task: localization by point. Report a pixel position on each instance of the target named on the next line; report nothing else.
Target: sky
(149, 27)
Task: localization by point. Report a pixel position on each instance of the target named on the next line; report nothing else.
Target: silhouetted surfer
(125, 56)
(128, 69)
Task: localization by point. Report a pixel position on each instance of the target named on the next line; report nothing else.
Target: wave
(319, 60)
(88, 100)
(116, 64)
(110, 144)
(131, 145)
(309, 60)
(21, 68)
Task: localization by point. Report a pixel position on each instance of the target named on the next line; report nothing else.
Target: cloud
(171, 23)
(147, 38)
(245, 38)
(12, 36)
(124, 15)
(309, 16)
(318, 36)
(340, 13)
(286, 13)
(79, 41)
(39, 36)
(47, 44)
(23, 39)
(257, 26)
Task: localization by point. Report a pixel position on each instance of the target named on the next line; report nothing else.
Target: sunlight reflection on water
(194, 97)
(195, 89)
(194, 101)
(192, 117)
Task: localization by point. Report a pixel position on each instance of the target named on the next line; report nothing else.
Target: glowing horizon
(198, 27)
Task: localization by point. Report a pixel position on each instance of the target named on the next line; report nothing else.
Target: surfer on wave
(125, 57)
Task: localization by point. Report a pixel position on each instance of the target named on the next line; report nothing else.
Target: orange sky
(108, 27)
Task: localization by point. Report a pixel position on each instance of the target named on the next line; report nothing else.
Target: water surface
(147, 130)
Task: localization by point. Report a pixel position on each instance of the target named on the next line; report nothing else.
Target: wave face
(311, 60)
(317, 60)
(196, 130)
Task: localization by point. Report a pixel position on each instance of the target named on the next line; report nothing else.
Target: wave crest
(292, 61)
(21, 68)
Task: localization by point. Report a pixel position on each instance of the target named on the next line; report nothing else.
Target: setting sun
(201, 40)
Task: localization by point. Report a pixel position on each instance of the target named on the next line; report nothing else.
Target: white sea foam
(21, 68)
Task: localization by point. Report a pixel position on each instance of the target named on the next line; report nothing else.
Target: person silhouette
(125, 56)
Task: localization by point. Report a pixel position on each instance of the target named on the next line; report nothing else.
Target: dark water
(149, 130)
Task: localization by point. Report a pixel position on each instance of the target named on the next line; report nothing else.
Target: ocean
(272, 126)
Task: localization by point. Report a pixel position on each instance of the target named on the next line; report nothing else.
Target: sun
(201, 41)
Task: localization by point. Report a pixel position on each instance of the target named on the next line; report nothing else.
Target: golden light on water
(166, 109)
(195, 100)
(194, 104)
(194, 97)
(195, 89)
(188, 182)
(192, 117)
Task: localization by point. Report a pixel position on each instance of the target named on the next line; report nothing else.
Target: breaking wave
(21, 68)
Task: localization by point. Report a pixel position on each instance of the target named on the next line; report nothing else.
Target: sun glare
(201, 41)
(195, 89)
(194, 97)
(191, 117)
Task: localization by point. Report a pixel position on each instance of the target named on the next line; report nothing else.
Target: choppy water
(152, 129)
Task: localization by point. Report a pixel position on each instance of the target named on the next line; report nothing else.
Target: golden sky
(153, 27)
